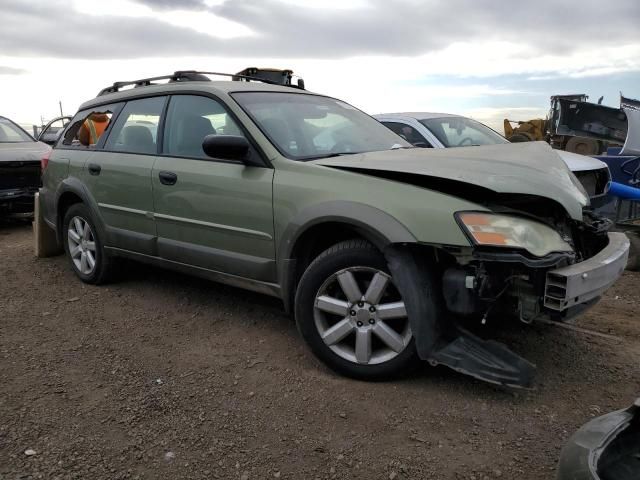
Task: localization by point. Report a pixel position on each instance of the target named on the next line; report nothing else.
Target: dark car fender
(75, 186)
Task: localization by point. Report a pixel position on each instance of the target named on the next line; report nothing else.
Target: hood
(530, 168)
(580, 163)
(22, 151)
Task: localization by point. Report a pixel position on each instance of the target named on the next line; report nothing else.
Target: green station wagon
(384, 253)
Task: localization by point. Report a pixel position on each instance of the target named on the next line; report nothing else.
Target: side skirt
(267, 288)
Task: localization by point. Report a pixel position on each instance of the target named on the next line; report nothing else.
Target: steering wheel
(465, 139)
(343, 146)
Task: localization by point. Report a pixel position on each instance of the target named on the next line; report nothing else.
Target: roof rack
(269, 75)
(266, 75)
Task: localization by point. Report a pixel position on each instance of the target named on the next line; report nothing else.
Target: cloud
(285, 29)
(380, 55)
(55, 29)
(11, 70)
(411, 27)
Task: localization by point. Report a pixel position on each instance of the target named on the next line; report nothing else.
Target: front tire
(352, 316)
(83, 246)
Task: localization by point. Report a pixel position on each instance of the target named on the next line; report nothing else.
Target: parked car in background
(20, 156)
(51, 132)
(376, 246)
(441, 130)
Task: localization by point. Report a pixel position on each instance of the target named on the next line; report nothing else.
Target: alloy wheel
(82, 245)
(361, 317)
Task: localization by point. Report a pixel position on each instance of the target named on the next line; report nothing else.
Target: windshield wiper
(329, 155)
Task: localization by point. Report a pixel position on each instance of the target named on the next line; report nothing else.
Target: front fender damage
(438, 338)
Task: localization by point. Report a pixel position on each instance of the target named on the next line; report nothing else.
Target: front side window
(304, 127)
(12, 133)
(190, 118)
(462, 132)
(136, 128)
(88, 127)
(410, 134)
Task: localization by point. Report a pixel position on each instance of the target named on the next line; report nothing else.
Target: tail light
(44, 161)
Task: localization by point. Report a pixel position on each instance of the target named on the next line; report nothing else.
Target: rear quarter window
(88, 128)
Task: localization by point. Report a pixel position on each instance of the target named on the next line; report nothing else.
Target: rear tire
(351, 315)
(583, 146)
(83, 245)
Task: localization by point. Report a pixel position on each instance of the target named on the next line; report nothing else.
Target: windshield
(11, 133)
(304, 127)
(462, 132)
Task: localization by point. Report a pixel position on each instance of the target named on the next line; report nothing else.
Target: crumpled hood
(531, 168)
(22, 151)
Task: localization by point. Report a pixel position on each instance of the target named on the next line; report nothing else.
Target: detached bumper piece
(441, 342)
(486, 360)
(606, 448)
(584, 281)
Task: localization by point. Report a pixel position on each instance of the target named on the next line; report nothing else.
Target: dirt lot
(165, 376)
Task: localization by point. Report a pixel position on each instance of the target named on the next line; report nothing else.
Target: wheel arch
(70, 192)
(321, 226)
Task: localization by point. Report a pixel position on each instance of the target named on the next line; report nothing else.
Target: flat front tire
(351, 314)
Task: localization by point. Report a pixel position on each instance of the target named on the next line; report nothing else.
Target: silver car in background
(441, 130)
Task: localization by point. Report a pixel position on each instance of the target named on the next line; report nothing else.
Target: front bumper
(584, 281)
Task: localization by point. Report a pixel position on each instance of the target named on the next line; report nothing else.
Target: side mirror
(229, 147)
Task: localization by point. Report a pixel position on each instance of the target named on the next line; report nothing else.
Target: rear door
(211, 213)
(119, 175)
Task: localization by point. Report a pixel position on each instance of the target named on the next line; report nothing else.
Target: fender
(375, 225)
(75, 185)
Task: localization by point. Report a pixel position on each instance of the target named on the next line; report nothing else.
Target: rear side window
(136, 128)
(88, 127)
(190, 118)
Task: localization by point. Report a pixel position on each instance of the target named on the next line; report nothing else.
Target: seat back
(136, 138)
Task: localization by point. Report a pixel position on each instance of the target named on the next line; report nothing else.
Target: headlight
(513, 232)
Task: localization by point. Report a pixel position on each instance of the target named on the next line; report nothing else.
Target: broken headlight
(513, 232)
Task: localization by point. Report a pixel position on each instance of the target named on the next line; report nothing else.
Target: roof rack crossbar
(190, 75)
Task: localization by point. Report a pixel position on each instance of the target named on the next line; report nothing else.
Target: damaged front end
(524, 264)
(533, 249)
(580, 263)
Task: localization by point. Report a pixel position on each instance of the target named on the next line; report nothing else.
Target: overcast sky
(484, 58)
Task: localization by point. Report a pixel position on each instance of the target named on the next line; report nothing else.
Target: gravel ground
(165, 376)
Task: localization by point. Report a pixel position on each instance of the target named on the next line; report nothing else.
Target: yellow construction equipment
(525, 131)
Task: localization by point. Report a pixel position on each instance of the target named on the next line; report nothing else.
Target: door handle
(168, 178)
(94, 169)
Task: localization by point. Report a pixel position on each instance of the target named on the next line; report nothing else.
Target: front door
(119, 176)
(211, 213)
